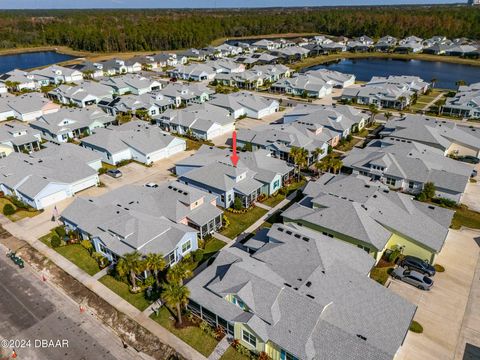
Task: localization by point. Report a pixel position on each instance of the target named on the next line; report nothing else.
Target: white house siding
(50, 194)
(95, 165)
(29, 116)
(275, 185)
(6, 114)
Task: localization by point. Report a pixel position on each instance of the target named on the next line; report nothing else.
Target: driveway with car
(441, 310)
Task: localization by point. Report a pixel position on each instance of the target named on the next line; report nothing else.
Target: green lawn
(212, 246)
(76, 253)
(19, 214)
(348, 145)
(240, 222)
(274, 200)
(232, 354)
(192, 335)
(121, 289)
(465, 217)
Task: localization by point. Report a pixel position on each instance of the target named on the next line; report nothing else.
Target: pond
(447, 74)
(31, 60)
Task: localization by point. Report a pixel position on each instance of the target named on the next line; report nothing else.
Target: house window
(238, 302)
(411, 184)
(249, 338)
(286, 356)
(222, 198)
(364, 248)
(186, 246)
(3, 154)
(276, 184)
(171, 258)
(390, 181)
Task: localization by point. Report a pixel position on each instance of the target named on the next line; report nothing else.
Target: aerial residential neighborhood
(240, 184)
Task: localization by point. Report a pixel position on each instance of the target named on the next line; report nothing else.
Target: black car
(469, 159)
(415, 263)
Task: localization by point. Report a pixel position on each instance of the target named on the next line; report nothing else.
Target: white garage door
(52, 199)
(84, 184)
(175, 149)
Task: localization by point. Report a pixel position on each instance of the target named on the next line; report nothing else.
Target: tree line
(158, 29)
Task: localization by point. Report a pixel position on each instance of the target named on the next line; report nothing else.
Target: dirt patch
(127, 329)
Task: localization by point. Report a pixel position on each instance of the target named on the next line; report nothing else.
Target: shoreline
(322, 59)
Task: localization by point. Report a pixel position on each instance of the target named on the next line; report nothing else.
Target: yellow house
(5, 150)
(368, 215)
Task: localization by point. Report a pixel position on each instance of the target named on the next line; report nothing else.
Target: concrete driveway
(471, 196)
(133, 173)
(442, 311)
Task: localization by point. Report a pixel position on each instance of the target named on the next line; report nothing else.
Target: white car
(151, 185)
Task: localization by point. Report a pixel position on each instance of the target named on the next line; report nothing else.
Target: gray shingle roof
(302, 294)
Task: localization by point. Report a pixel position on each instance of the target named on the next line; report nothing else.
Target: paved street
(32, 310)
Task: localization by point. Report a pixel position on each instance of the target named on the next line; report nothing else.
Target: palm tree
(461, 83)
(299, 157)
(155, 263)
(433, 81)
(178, 273)
(373, 112)
(336, 164)
(317, 152)
(176, 296)
(132, 264)
(388, 115)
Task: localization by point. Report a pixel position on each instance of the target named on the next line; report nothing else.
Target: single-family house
(56, 74)
(136, 140)
(19, 80)
(181, 93)
(368, 215)
(303, 85)
(89, 69)
(68, 124)
(297, 297)
(116, 230)
(465, 103)
(449, 137)
(408, 166)
(246, 104)
(26, 107)
(203, 121)
(131, 83)
(386, 43)
(153, 103)
(85, 94)
(334, 78)
(256, 173)
(15, 136)
(45, 177)
(193, 71)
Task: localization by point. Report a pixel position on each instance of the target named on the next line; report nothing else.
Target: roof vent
(308, 284)
(362, 337)
(287, 284)
(305, 239)
(311, 296)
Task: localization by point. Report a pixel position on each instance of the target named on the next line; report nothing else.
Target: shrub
(87, 245)
(237, 204)
(394, 255)
(198, 255)
(18, 203)
(206, 328)
(416, 327)
(60, 231)
(264, 356)
(444, 202)
(55, 241)
(102, 170)
(439, 268)
(225, 222)
(8, 209)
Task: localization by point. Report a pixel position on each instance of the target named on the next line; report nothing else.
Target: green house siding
(371, 250)
(411, 247)
(238, 330)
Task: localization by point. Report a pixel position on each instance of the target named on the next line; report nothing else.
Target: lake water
(31, 60)
(445, 73)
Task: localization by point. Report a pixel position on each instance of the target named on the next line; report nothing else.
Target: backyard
(274, 200)
(424, 100)
(191, 334)
(212, 246)
(240, 222)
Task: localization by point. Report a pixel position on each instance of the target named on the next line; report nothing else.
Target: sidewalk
(101, 290)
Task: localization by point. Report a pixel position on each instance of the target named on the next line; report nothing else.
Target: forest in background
(163, 29)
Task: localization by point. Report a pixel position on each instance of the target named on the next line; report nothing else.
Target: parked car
(115, 173)
(415, 263)
(474, 173)
(151, 185)
(412, 277)
(469, 159)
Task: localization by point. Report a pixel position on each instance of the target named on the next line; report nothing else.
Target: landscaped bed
(232, 354)
(192, 334)
(240, 222)
(122, 289)
(381, 271)
(212, 246)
